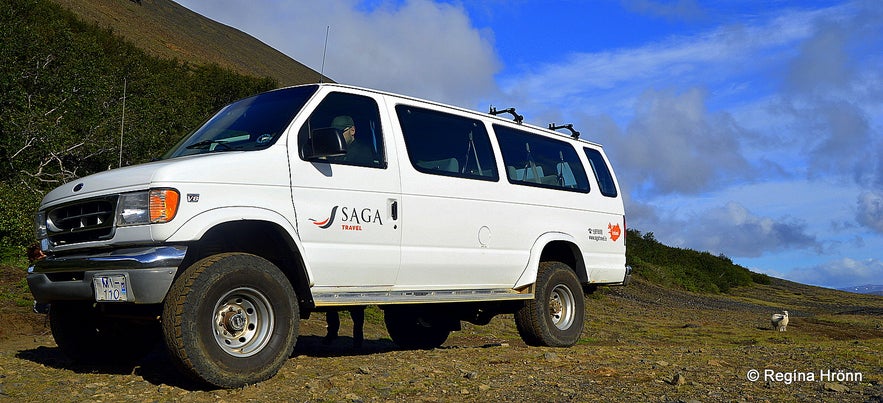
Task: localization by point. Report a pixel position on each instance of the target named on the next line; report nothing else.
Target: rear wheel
(556, 315)
(413, 328)
(231, 320)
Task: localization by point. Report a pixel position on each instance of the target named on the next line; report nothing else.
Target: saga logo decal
(351, 218)
(328, 221)
(613, 233)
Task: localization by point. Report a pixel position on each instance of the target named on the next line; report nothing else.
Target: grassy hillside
(65, 83)
(685, 268)
(168, 30)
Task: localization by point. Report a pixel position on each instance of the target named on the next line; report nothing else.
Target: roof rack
(516, 117)
(569, 126)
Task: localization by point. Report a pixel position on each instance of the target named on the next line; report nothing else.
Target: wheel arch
(554, 246)
(262, 238)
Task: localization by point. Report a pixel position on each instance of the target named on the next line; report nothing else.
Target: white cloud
(829, 61)
(735, 231)
(419, 47)
(822, 59)
(845, 132)
(611, 80)
(730, 229)
(870, 211)
(668, 97)
(675, 145)
(841, 273)
(827, 98)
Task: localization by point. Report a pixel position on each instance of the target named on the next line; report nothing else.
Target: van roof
(460, 109)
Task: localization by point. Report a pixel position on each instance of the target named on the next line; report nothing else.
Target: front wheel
(556, 315)
(231, 320)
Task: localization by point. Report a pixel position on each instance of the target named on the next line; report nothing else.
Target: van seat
(566, 174)
(550, 180)
(525, 174)
(446, 165)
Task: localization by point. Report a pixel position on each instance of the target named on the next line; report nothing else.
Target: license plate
(112, 287)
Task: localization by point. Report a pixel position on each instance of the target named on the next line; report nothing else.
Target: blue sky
(748, 128)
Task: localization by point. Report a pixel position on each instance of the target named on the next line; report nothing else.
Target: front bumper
(150, 272)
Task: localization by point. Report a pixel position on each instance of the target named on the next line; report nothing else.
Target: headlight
(133, 209)
(40, 225)
(154, 206)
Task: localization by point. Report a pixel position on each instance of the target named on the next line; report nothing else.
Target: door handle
(394, 209)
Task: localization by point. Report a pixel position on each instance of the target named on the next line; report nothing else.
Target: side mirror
(325, 143)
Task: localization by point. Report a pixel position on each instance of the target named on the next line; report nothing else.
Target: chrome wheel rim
(243, 322)
(561, 307)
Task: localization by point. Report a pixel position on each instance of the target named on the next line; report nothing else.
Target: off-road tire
(231, 320)
(556, 315)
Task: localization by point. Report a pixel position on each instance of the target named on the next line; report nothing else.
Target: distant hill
(168, 30)
(865, 289)
(79, 99)
(685, 268)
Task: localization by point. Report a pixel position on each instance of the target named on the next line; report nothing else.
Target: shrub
(685, 268)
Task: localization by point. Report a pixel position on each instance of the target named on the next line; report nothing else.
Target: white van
(323, 196)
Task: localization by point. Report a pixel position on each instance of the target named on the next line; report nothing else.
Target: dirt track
(642, 343)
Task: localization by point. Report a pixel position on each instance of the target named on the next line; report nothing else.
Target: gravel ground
(641, 343)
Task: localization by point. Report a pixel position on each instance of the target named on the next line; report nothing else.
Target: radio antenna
(324, 52)
(123, 122)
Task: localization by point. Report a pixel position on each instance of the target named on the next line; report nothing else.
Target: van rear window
(535, 160)
(444, 144)
(602, 172)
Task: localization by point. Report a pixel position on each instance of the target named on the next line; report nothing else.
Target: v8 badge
(192, 197)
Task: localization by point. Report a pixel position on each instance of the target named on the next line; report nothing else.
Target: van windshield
(253, 123)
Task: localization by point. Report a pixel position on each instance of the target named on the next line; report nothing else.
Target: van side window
(602, 172)
(540, 161)
(444, 144)
(358, 119)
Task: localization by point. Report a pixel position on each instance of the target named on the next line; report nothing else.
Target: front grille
(82, 221)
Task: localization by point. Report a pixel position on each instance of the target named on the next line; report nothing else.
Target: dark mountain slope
(166, 29)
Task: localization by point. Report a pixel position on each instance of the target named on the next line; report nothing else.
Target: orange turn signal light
(163, 205)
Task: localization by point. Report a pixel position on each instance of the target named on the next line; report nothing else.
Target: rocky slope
(642, 343)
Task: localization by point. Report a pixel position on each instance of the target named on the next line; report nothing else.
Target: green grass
(13, 256)
(14, 287)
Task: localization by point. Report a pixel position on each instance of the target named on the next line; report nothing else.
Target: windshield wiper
(209, 143)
